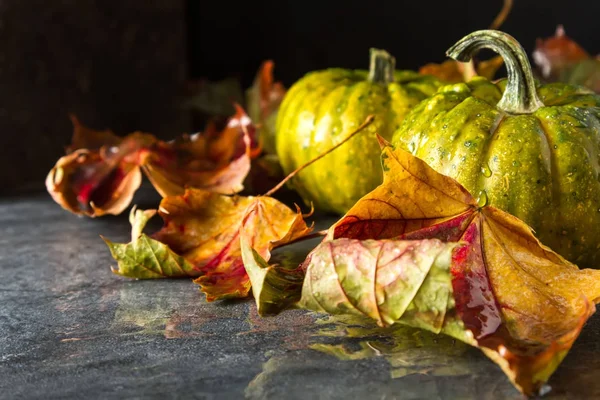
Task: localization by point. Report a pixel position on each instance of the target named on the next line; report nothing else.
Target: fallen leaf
(147, 258)
(500, 290)
(524, 304)
(218, 161)
(204, 228)
(103, 177)
(97, 182)
(263, 99)
(560, 59)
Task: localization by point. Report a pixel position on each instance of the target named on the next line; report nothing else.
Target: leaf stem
(362, 126)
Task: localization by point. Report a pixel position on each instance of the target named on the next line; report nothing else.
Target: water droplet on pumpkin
(482, 199)
(516, 163)
(479, 115)
(412, 147)
(468, 143)
(486, 171)
(444, 126)
(556, 146)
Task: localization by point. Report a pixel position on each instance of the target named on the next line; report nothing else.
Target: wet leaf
(263, 99)
(560, 59)
(522, 303)
(385, 280)
(204, 228)
(147, 258)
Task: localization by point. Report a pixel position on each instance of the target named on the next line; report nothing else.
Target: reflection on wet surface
(69, 328)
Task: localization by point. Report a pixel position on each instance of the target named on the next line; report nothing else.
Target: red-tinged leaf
(97, 182)
(560, 59)
(521, 302)
(204, 228)
(555, 54)
(215, 161)
(263, 100)
(103, 178)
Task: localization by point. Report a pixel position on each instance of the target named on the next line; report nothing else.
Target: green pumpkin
(324, 107)
(531, 151)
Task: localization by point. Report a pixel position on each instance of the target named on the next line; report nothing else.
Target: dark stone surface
(116, 64)
(70, 329)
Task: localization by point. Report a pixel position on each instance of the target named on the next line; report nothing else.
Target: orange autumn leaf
(218, 161)
(98, 182)
(560, 59)
(102, 178)
(204, 229)
(263, 100)
(523, 304)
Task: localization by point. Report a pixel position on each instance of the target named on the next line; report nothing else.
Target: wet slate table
(71, 329)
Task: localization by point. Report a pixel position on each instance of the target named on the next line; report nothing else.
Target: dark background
(124, 64)
(312, 34)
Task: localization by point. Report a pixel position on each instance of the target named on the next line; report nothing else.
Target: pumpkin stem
(520, 95)
(382, 66)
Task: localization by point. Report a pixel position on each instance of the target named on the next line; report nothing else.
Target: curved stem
(520, 95)
(382, 66)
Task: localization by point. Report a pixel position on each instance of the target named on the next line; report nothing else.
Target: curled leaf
(96, 182)
(204, 228)
(147, 258)
(218, 161)
(263, 99)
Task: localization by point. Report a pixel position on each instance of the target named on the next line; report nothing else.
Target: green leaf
(147, 258)
(274, 287)
(387, 280)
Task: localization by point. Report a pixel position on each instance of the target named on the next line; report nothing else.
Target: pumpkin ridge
(555, 187)
(483, 183)
(318, 146)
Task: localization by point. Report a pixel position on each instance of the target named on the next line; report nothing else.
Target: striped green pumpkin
(323, 107)
(533, 151)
